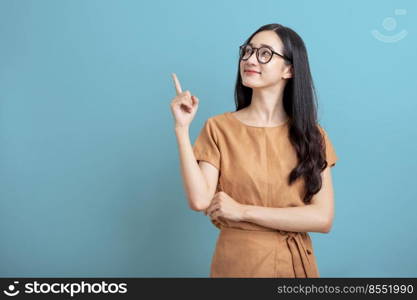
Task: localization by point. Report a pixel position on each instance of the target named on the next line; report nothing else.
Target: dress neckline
(231, 116)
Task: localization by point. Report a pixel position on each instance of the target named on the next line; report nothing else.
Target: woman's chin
(251, 84)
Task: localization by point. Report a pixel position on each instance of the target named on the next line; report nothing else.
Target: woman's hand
(184, 106)
(226, 207)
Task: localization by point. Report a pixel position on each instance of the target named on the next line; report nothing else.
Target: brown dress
(254, 164)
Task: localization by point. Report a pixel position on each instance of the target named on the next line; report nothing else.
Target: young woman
(261, 173)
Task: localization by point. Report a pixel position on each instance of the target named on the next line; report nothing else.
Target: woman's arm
(199, 182)
(195, 183)
(315, 217)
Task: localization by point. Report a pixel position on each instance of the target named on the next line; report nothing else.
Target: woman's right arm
(200, 180)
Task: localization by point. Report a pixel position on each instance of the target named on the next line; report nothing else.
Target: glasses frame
(257, 52)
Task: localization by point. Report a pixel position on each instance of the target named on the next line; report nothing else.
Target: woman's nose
(252, 59)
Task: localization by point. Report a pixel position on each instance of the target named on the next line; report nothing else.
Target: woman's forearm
(299, 219)
(194, 182)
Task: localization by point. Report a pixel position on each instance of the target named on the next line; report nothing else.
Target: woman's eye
(265, 53)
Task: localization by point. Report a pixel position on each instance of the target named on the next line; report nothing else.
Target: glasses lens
(245, 51)
(264, 55)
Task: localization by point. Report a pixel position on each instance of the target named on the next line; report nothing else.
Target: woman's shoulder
(322, 130)
(218, 120)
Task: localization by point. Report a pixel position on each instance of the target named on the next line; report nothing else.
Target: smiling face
(271, 73)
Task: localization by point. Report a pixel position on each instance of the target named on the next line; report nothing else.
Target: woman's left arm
(315, 217)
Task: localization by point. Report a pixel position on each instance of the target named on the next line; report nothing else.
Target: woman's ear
(288, 73)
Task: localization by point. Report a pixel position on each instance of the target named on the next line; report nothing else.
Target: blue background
(90, 180)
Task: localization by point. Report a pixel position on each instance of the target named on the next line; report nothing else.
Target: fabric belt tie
(299, 254)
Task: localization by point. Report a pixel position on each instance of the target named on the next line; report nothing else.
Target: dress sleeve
(331, 156)
(206, 145)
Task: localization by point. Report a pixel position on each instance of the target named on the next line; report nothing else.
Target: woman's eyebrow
(265, 45)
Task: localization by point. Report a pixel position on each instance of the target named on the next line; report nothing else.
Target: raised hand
(184, 106)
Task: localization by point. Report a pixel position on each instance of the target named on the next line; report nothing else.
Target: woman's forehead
(266, 38)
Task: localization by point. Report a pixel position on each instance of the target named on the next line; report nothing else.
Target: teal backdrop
(90, 180)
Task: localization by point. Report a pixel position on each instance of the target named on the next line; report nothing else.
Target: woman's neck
(266, 107)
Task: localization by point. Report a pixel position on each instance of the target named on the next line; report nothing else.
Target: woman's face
(271, 73)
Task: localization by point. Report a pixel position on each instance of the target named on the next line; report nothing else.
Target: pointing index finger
(177, 84)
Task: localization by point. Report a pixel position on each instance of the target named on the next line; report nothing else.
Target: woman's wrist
(181, 129)
(244, 212)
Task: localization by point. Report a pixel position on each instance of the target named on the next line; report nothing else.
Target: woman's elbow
(327, 225)
(197, 206)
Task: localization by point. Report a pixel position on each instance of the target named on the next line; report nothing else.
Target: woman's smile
(251, 72)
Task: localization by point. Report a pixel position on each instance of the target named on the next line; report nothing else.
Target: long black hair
(300, 104)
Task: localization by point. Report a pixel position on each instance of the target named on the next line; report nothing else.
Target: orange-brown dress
(254, 164)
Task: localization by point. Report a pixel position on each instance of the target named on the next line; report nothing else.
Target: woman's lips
(251, 72)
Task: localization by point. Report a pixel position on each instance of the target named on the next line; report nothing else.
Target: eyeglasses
(263, 54)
